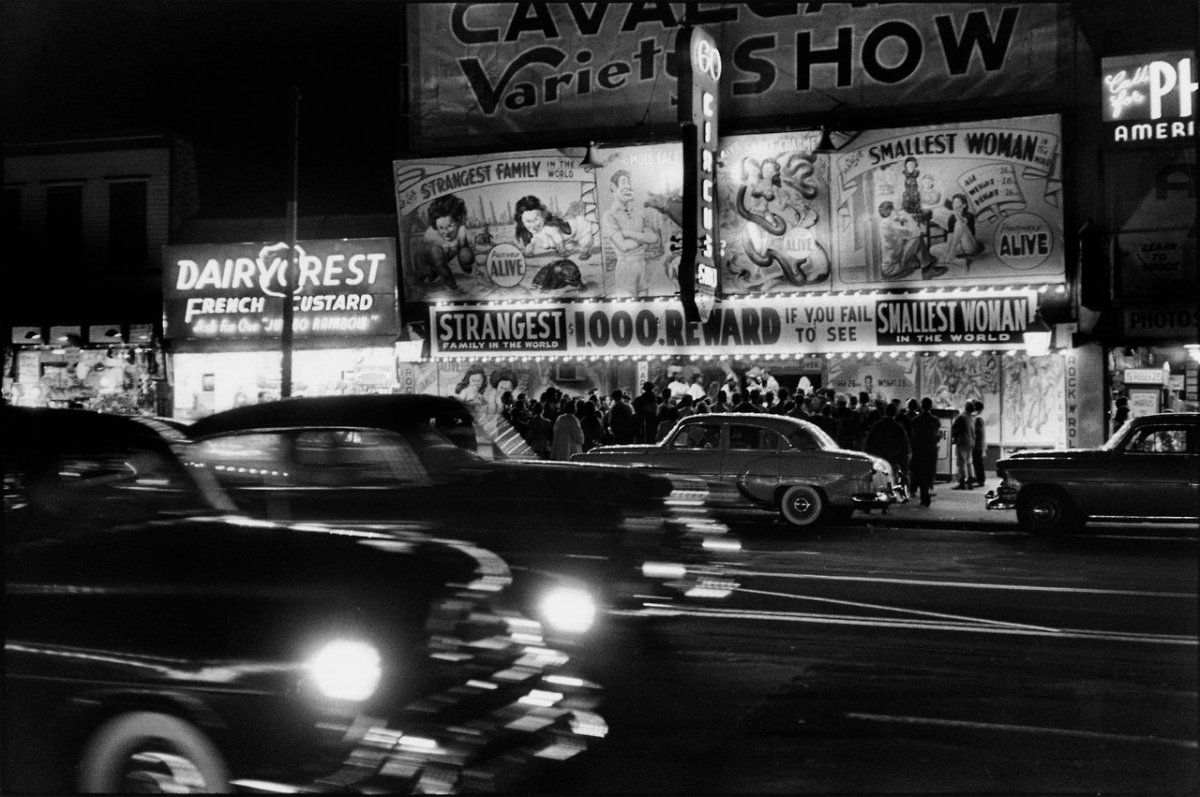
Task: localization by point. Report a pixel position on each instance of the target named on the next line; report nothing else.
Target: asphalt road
(868, 660)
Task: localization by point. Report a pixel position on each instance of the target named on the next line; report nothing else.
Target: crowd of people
(906, 434)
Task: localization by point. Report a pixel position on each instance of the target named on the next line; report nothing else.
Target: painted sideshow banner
(1034, 412)
(1152, 209)
(760, 325)
(514, 225)
(968, 204)
(773, 195)
(641, 207)
(883, 378)
(497, 70)
(953, 380)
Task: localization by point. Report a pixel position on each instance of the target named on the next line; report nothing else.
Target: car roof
(782, 423)
(51, 428)
(1169, 417)
(383, 411)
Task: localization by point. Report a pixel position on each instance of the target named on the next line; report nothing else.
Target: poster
(953, 380)
(1152, 207)
(640, 190)
(1033, 410)
(512, 225)
(964, 204)
(773, 200)
(880, 377)
(489, 71)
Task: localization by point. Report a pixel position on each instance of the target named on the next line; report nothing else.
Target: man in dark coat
(621, 422)
(926, 429)
(980, 445)
(888, 440)
(645, 409)
(825, 420)
(848, 433)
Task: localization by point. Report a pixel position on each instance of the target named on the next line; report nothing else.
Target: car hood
(235, 554)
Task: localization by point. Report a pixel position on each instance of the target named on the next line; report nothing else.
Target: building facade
(901, 194)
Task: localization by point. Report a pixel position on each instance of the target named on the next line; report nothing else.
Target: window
(1159, 440)
(311, 458)
(10, 236)
(94, 488)
(64, 225)
(801, 439)
(697, 435)
(752, 437)
(127, 225)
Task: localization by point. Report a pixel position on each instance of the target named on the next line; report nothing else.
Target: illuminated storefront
(105, 367)
(910, 263)
(1149, 161)
(224, 316)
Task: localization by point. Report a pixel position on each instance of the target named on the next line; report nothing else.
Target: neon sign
(1149, 98)
(699, 72)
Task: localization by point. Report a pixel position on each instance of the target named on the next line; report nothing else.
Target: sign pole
(289, 288)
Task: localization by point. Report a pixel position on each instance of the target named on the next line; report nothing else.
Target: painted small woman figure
(961, 244)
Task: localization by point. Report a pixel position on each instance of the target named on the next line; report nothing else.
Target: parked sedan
(392, 461)
(1148, 471)
(155, 640)
(774, 461)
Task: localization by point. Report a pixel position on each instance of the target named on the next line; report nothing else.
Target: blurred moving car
(390, 461)
(1148, 471)
(154, 640)
(774, 461)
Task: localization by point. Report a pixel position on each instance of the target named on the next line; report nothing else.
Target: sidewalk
(950, 508)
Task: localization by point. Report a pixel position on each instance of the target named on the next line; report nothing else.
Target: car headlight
(884, 467)
(346, 670)
(568, 609)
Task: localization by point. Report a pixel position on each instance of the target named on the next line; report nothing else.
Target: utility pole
(290, 266)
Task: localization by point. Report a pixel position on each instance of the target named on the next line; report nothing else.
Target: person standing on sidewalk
(926, 429)
(980, 445)
(962, 437)
(887, 439)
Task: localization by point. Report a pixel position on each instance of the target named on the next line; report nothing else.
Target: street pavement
(950, 508)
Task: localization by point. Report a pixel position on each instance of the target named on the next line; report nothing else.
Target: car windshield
(95, 485)
(323, 457)
(1114, 442)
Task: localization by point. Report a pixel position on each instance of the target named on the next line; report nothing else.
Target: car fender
(765, 478)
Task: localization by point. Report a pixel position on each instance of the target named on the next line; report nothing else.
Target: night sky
(219, 72)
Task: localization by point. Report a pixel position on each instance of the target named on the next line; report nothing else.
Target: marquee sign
(1149, 99)
(699, 68)
(236, 291)
(500, 71)
(955, 321)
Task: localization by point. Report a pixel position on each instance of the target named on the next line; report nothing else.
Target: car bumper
(880, 498)
(1003, 497)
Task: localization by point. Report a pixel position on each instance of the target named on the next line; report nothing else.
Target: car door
(751, 448)
(693, 448)
(1156, 473)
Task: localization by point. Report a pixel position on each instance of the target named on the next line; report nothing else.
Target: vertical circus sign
(699, 69)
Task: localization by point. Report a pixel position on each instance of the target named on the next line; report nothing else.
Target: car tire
(149, 751)
(802, 505)
(1046, 513)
